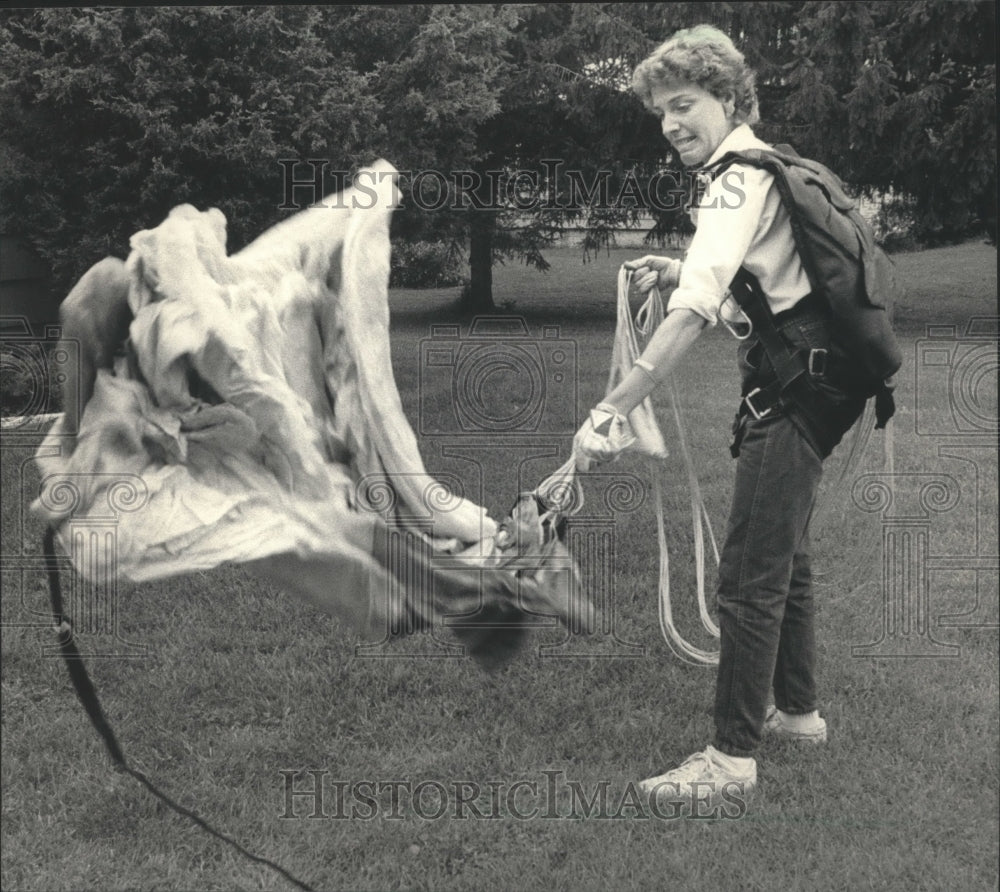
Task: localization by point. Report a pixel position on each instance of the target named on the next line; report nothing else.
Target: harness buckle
(757, 414)
(817, 361)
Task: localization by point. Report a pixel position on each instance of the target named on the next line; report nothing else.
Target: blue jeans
(765, 598)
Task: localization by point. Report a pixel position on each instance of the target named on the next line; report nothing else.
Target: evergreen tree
(111, 116)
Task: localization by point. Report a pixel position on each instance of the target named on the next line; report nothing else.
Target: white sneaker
(810, 729)
(704, 778)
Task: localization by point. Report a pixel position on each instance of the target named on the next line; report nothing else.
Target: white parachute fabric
(260, 399)
(254, 419)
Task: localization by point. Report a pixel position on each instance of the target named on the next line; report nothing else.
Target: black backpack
(846, 269)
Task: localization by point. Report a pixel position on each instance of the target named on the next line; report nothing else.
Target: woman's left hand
(652, 271)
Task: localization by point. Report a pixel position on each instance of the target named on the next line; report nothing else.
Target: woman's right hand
(652, 271)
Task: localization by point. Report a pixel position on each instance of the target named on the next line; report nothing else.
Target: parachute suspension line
(561, 494)
(699, 516)
(682, 649)
(860, 441)
(647, 320)
(890, 450)
(859, 436)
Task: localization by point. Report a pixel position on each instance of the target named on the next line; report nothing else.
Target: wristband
(648, 368)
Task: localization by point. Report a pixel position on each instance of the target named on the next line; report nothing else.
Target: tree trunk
(478, 297)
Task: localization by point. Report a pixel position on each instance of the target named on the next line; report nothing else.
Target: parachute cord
(859, 443)
(699, 516)
(561, 493)
(682, 649)
(647, 320)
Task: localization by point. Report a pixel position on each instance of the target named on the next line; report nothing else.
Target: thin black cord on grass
(88, 697)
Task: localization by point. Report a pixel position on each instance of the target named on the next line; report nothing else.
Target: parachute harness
(560, 495)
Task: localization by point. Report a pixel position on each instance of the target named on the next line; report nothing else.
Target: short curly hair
(705, 56)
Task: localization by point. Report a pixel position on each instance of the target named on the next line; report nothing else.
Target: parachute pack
(846, 268)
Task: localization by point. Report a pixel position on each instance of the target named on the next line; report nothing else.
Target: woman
(700, 86)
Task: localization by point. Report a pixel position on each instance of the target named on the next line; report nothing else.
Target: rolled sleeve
(727, 220)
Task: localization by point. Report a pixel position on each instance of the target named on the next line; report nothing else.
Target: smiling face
(694, 121)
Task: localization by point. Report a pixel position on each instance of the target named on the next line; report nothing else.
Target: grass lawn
(235, 698)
